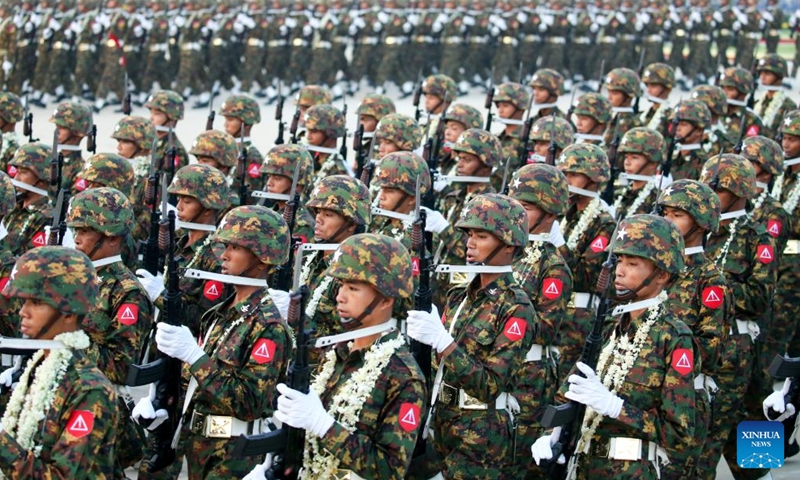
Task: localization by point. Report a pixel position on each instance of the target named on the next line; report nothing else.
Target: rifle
(242, 166)
(126, 101)
(523, 152)
(172, 152)
(608, 193)
(570, 415)
(487, 104)
(600, 76)
(751, 100)
(366, 174)
(151, 256)
(27, 123)
(279, 117)
(91, 135)
(504, 183)
(737, 149)
(551, 149)
(283, 274)
(58, 224)
(417, 95)
(667, 165)
(431, 150)
(639, 72)
(211, 113)
(571, 109)
(343, 148)
(358, 144)
(293, 126)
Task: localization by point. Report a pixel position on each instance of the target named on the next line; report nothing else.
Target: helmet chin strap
(248, 268)
(627, 294)
(351, 323)
(47, 326)
(96, 246)
(491, 255)
(332, 238)
(400, 202)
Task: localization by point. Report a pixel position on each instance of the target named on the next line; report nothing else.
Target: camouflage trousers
(572, 336)
(538, 386)
(213, 458)
(683, 464)
(130, 439)
(786, 312)
(591, 467)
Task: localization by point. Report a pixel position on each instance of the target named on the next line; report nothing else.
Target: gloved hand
(281, 299)
(542, 448)
(776, 402)
(302, 410)
(259, 472)
(144, 410)
(427, 328)
(663, 184)
(556, 237)
(590, 391)
(436, 222)
(439, 185)
(383, 17)
(7, 376)
(153, 284)
(178, 342)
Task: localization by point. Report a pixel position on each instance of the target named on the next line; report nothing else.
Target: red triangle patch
(409, 416)
(263, 351)
(552, 288)
(683, 360)
(80, 423)
(752, 131)
(39, 240)
(713, 297)
(254, 170)
(212, 290)
(599, 244)
(415, 266)
(3, 283)
(128, 313)
(766, 254)
(774, 227)
(12, 171)
(514, 328)
(80, 185)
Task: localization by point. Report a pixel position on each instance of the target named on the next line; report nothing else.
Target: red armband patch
(552, 288)
(128, 313)
(39, 240)
(515, 328)
(774, 227)
(212, 290)
(263, 351)
(80, 423)
(713, 297)
(683, 360)
(599, 244)
(254, 170)
(766, 254)
(409, 416)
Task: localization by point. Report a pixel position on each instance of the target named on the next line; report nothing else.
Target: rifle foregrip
(150, 191)
(163, 236)
(603, 280)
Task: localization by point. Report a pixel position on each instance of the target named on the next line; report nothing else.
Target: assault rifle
(279, 117)
(431, 151)
(294, 125)
(91, 135)
(639, 72)
(600, 76)
(487, 104)
(242, 166)
(58, 226)
(417, 95)
(151, 255)
(126, 100)
(358, 146)
(283, 275)
(551, 149)
(608, 193)
(211, 113)
(737, 149)
(343, 148)
(666, 167)
(27, 122)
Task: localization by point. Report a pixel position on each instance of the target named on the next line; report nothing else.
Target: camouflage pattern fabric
(243, 107)
(660, 74)
(8, 195)
(497, 214)
(713, 97)
(108, 170)
(204, 183)
(25, 226)
(440, 86)
(282, 160)
(623, 80)
(73, 116)
(35, 156)
(545, 127)
(482, 144)
(653, 238)
(587, 159)
(731, 172)
(549, 79)
(642, 140)
(325, 118)
(9, 143)
(312, 95)
(739, 78)
(399, 129)
(329, 165)
(514, 93)
(376, 105)
(167, 101)
(344, 195)
(217, 145)
(104, 210)
(390, 264)
(401, 170)
(257, 229)
(593, 105)
(138, 130)
(11, 109)
(466, 115)
(621, 123)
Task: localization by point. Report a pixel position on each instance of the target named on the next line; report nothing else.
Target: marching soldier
(774, 19)
(726, 29)
(62, 418)
(699, 64)
(11, 112)
(73, 122)
(543, 131)
(397, 133)
(511, 101)
(366, 28)
(192, 76)
(107, 170)
(547, 85)
(749, 35)
(371, 111)
(716, 139)
(506, 24)
(218, 149)
(737, 83)
(325, 125)
(310, 96)
(279, 169)
(775, 103)
(9, 308)
(555, 37)
(658, 79)
(111, 87)
(459, 117)
(158, 55)
(440, 92)
(592, 114)
(689, 156)
(581, 64)
(166, 110)
(652, 19)
(623, 87)
(641, 149)
(243, 111)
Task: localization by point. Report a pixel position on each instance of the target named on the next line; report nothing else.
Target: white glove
(153, 284)
(281, 299)
(427, 328)
(300, 410)
(307, 30)
(591, 392)
(556, 237)
(774, 401)
(238, 28)
(621, 18)
(47, 33)
(436, 222)
(359, 23)
(383, 17)
(737, 25)
(138, 31)
(663, 184)
(522, 17)
(717, 16)
(542, 448)
(144, 410)
(283, 30)
(178, 342)
(407, 27)
(469, 21)
(7, 376)
(593, 28)
(377, 27)
(96, 28)
(290, 22)
(440, 185)
(7, 66)
(259, 472)
(28, 27)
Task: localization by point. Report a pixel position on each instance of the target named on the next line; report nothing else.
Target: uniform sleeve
(587, 259)
(753, 289)
(550, 302)
(711, 330)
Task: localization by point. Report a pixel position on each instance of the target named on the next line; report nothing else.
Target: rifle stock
(279, 117)
(295, 124)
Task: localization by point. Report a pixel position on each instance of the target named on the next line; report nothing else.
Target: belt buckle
(197, 423)
(448, 395)
(466, 402)
(792, 247)
(342, 474)
(218, 426)
(623, 448)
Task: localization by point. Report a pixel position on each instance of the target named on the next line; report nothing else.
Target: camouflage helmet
(772, 62)
(217, 145)
(11, 110)
(643, 140)
(652, 237)
(765, 152)
(466, 115)
(258, 229)
(737, 77)
(713, 97)
(327, 119)
(791, 123)
(695, 198)
(693, 111)
(377, 260)
(502, 216)
(243, 107)
(514, 93)
(167, 101)
(344, 195)
(731, 172)
(593, 105)
(109, 170)
(400, 170)
(282, 160)
(203, 182)
(8, 195)
(660, 74)
(543, 185)
(73, 116)
(105, 210)
(376, 105)
(624, 80)
(440, 86)
(311, 95)
(550, 80)
(138, 130)
(61, 277)
(482, 144)
(399, 129)
(587, 159)
(560, 127)
(35, 156)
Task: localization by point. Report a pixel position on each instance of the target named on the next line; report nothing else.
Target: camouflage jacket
(77, 433)
(390, 420)
(620, 123)
(716, 140)
(9, 307)
(772, 110)
(789, 273)
(333, 164)
(25, 226)
(395, 228)
(774, 219)
(254, 178)
(454, 239)
(657, 118)
(586, 260)
(752, 123)
(244, 360)
(688, 165)
(8, 146)
(511, 143)
(627, 196)
(701, 298)
(141, 211)
(73, 164)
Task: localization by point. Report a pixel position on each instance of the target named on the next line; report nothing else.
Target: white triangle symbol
(553, 289)
(38, 239)
(712, 297)
(127, 314)
(774, 229)
(683, 362)
(212, 290)
(598, 243)
(262, 351)
(409, 418)
(254, 170)
(79, 425)
(514, 329)
(765, 254)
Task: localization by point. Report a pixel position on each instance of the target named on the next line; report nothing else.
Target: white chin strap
(227, 279)
(30, 188)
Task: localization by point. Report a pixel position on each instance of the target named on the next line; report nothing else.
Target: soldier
(63, 406)
(440, 92)
(587, 227)
(623, 86)
(545, 277)
(73, 122)
(11, 112)
(310, 96)
(242, 352)
(750, 26)
(547, 129)
(325, 124)
(651, 19)
(724, 34)
(700, 25)
(775, 103)
(745, 252)
(716, 139)
(641, 150)
(506, 26)
(9, 318)
(555, 37)
(678, 18)
(111, 84)
(703, 301)
(454, 48)
(119, 327)
(158, 55)
(218, 149)
(254, 38)
(547, 86)
(300, 37)
(26, 222)
(511, 101)
(689, 155)
(371, 111)
(478, 54)
(580, 63)
(397, 133)
(774, 19)
(658, 79)
(737, 83)
(385, 418)
(192, 76)
(279, 168)
(166, 110)
(243, 111)
(647, 400)
(459, 117)
(489, 326)
(107, 170)
(592, 114)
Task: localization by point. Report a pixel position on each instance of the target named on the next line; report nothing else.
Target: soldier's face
(188, 208)
(203, 160)
(238, 260)
(680, 218)
(385, 147)
(390, 197)
(85, 241)
(657, 90)
(369, 122)
(327, 223)
(159, 119)
(353, 298)
(579, 180)
(637, 163)
(617, 98)
(540, 95)
(126, 149)
(506, 109)
(729, 202)
(433, 103)
(632, 271)
(233, 126)
(279, 184)
(767, 78)
(468, 164)
(36, 315)
(732, 93)
(452, 130)
(481, 244)
(791, 145)
(584, 124)
(316, 137)
(26, 176)
(541, 146)
(63, 134)
(761, 174)
(687, 131)
(535, 213)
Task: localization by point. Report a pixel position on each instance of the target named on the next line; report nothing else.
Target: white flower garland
(592, 211)
(27, 408)
(311, 308)
(655, 122)
(7, 141)
(643, 194)
(777, 187)
(306, 270)
(141, 166)
(723, 254)
(346, 404)
(774, 106)
(533, 253)
(791, 200)
(198, 253)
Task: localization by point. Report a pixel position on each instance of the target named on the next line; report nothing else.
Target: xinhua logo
(759, 445)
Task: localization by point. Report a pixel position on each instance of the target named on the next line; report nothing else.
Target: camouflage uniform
(107, 170)
(10, 112)
(376, 106)
(300, 40)
(192, 75)
(546, 128)
(626, 81)
(78, 119)
(773, 106)
(329, 120)
(507, 21)
(171, 104)
(246, 109)
(469, 117)
(742, 80)
(221, 148)
(9, 307)
(282, 160)
(366, 49)
(598, 108)
(111, 58)
(553, 82)
(650, 144)
(402, 131)
(687, 163)
(158, 54)
(699, 63)
(581, 65)
(514, 152)
(657, 116)
(493, 328)
(716, 139)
